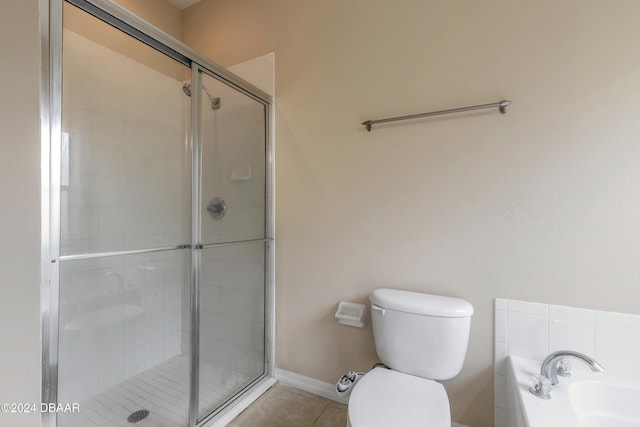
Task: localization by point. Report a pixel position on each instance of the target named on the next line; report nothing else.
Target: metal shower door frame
(51, 133)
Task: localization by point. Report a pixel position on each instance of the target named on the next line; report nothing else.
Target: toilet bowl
(420, 338)
(387, 398)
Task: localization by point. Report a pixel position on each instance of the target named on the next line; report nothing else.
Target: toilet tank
(420, 334)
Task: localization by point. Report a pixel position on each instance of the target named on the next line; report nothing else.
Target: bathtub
(585, 399)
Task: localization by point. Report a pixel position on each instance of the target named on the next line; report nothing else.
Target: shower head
(186, 88)
(215, 102)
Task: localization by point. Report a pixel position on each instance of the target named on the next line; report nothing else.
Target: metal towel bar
(502, 105)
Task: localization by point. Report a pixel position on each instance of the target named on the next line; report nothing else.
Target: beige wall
(20, 214)
(103, 34)
(541, 204)
(160, 13)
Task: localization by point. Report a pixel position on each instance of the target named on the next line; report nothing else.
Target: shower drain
(138, 416)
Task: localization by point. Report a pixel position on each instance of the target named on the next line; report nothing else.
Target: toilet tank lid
(419, 303)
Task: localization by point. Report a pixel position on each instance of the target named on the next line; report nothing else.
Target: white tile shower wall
(118, 316)
(234, 138)
(124, 163)
(534, 330)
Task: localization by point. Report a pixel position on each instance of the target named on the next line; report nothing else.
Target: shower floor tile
(163, 390)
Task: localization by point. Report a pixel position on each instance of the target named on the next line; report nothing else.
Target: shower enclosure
(158, 303)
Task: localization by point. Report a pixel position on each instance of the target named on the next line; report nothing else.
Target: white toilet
(422, 338)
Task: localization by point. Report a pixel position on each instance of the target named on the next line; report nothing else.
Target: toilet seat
(387, 398)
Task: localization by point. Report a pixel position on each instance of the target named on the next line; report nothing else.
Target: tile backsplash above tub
(533, 330)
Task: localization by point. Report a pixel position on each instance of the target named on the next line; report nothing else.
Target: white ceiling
(181, 4)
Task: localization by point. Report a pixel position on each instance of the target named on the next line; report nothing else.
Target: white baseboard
(310, 385)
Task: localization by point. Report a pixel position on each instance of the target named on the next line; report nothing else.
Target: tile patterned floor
(283, 406)
(163, 390)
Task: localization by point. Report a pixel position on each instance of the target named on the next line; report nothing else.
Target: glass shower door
(159, 296)
(233, 232)
(125, 230)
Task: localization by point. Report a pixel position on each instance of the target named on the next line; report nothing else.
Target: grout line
(163, 389)
(320, 416)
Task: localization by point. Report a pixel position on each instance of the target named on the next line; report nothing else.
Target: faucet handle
(563, 368)
(541, 386)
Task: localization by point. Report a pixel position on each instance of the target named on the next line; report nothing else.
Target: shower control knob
(217, 207)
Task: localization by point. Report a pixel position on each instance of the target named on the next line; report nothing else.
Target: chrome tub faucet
(556, 364)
